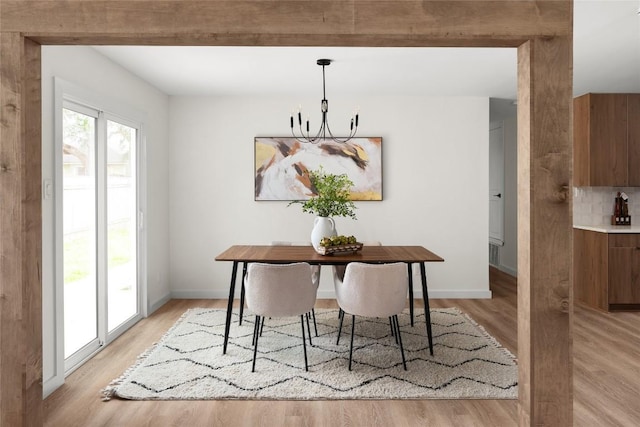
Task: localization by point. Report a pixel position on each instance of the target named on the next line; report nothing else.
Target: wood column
(20, 228)
(545, 300)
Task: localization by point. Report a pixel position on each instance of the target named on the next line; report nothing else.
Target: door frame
(541, 30)
(110, 109)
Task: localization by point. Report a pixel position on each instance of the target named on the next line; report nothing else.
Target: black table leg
(427, 310)
(232, 289)
(244, 274)
(410, 292)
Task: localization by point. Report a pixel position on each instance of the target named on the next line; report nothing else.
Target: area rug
(187, 363)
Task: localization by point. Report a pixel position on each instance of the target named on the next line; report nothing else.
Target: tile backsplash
(594, 205)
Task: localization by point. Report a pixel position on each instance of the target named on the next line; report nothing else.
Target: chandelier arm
(352, 133)
(324, 125)
(308, 138)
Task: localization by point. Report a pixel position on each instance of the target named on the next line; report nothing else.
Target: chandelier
(324, 132)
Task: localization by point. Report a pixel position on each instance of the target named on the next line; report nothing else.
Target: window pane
(122, 224)
(79, 230)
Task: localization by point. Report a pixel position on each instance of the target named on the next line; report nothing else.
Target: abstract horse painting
(281, 165)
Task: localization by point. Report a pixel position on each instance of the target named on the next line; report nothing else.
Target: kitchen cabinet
(607, 269)
(606, 140)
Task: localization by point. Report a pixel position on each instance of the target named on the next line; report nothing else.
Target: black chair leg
(340, 327)
(255, 342)
(393, 331)
(244, 274)
(309, 329)
(304, 343)
(353, 324)
(399, 338)
(315, 325)
(261, 325)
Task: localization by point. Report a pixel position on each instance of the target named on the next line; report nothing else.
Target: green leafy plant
(331, 195)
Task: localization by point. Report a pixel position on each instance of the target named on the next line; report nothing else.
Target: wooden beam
(542, 29)
(267, 22)
(545, 300)
(20, 228)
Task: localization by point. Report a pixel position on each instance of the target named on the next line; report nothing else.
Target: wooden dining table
(368, 254)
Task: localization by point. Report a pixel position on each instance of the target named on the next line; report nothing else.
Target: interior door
(496, 184)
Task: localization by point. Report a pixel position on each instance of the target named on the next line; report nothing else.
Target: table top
(287, 254)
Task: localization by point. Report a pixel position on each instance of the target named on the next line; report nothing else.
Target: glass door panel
(122, 292)
(79, 231)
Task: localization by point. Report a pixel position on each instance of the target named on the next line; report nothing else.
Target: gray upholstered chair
(373, 290)
(315, 270)
(279, 290)
(338, 272)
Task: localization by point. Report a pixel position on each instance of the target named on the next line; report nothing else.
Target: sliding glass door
(99, 238)
(80, 230)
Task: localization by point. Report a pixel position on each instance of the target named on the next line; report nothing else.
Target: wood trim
(544, 251)
(20, 228)
(542, 29)
(191, 21)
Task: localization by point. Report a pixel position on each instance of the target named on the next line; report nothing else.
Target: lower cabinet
(607, 270)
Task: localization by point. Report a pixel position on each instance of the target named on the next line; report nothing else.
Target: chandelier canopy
(324, 133)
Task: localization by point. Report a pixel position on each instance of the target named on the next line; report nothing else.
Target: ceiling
(606, 59)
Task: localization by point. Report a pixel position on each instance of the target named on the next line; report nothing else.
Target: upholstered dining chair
(315, 270)
(316, 279)
(373, 290)
(338, 271)
(279, 290)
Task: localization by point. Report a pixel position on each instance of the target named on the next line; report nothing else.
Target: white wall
(88, 69)
(435, 182)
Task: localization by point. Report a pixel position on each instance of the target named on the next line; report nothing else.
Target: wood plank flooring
(606, 380)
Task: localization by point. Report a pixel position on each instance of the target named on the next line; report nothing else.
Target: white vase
(322, 227)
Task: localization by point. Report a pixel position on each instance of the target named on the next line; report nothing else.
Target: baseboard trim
(159, 303)
(51, 385)
(510, 271)
(330, 294)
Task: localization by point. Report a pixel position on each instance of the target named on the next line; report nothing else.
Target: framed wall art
(281, 165)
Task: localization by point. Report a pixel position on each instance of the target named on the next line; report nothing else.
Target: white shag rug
(187, 363)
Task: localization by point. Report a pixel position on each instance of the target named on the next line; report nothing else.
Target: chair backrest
(280, 289)
(315, 269)
(338, 270)
(373, 290)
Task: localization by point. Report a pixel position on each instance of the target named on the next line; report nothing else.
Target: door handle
(499, 195)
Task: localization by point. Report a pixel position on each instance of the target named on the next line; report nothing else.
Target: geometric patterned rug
(187, 363)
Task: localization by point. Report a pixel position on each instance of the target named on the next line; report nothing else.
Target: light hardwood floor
(606, 380)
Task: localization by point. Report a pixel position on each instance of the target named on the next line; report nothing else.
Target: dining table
(368, 254)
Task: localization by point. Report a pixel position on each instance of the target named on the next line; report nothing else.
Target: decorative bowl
(339, 249)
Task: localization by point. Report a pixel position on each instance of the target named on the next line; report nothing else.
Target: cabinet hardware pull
(638, 248)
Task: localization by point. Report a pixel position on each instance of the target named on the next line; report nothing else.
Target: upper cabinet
(606, 140)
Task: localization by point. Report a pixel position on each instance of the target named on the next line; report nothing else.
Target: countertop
(610, 228)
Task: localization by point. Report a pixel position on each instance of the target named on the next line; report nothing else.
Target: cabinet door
(590, 268)
(624, 269)
(581, 141)
(608, 155)
(633, 138)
